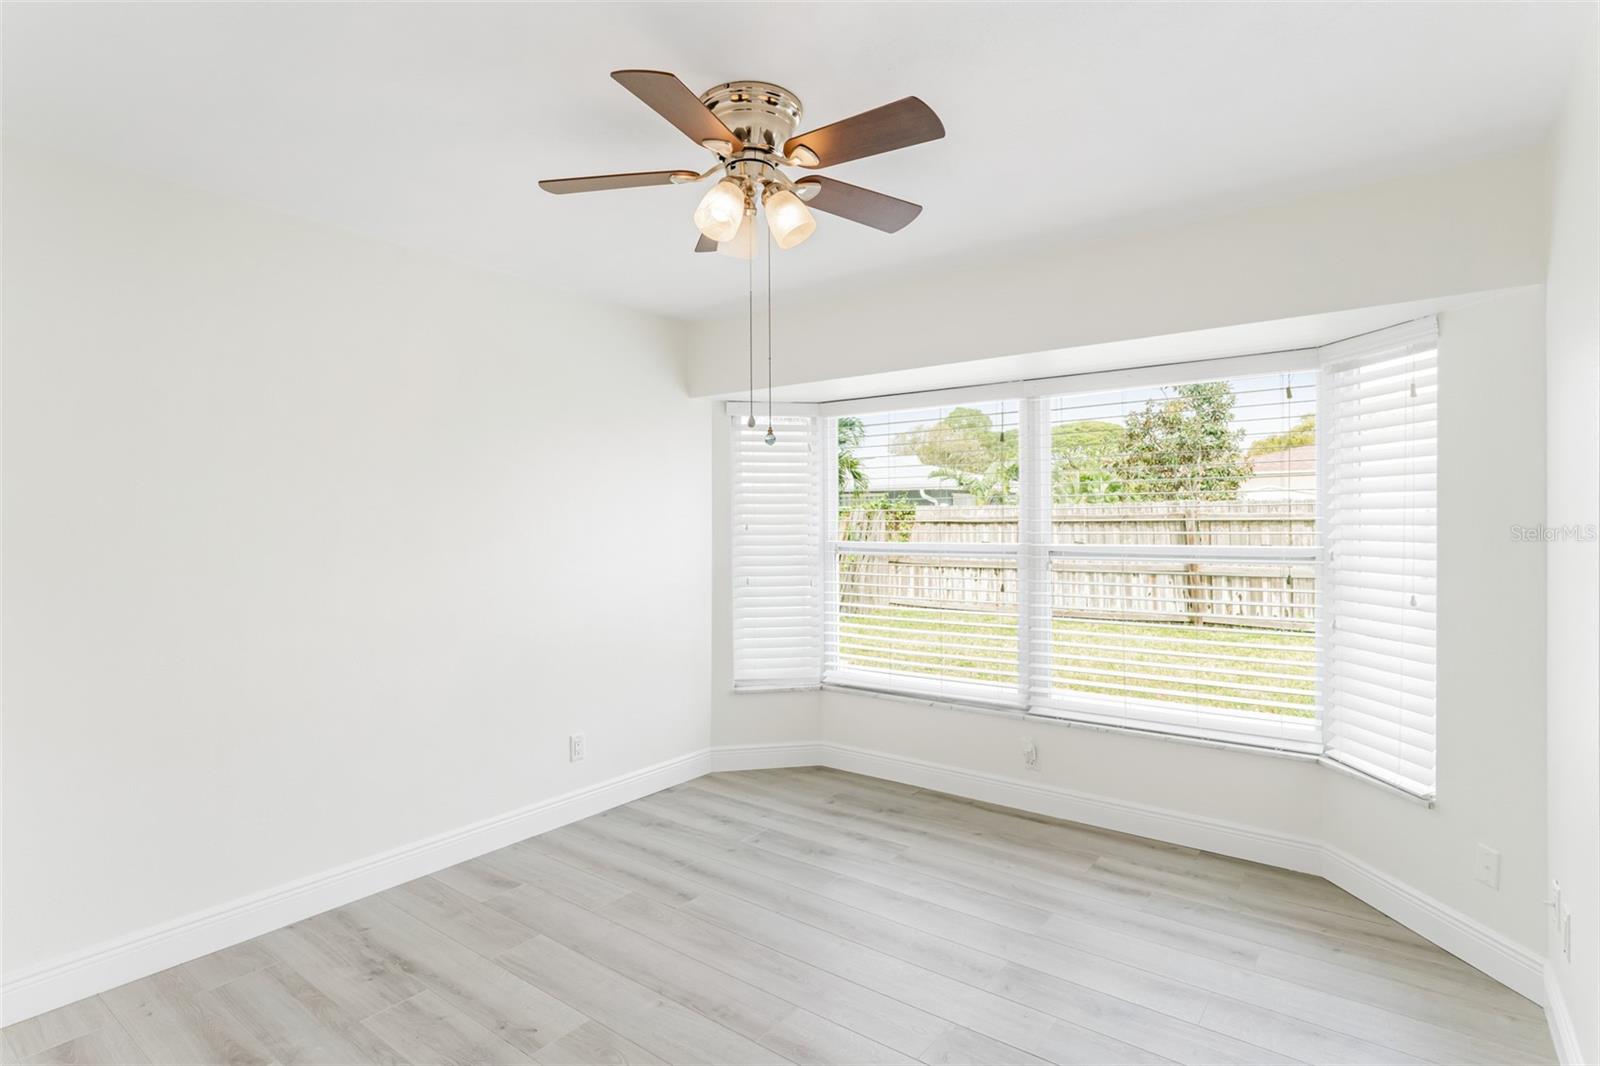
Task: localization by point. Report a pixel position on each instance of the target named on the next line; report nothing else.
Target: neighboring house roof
(1301, 459)
(1290, 474)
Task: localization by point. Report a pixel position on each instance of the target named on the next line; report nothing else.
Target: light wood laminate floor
(810, 916)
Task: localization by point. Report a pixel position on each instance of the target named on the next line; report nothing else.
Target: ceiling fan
(750, 127)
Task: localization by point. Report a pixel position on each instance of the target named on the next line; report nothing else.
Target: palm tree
(852, 476)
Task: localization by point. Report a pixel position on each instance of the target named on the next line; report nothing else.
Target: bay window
(1240, 550)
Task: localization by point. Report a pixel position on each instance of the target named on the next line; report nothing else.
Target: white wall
(1275, 794)
(314, 548)
(1491, 639)
(1468, 229)
(1573, 427)
(1491, 670)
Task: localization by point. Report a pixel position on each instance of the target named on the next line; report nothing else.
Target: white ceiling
(428, 124)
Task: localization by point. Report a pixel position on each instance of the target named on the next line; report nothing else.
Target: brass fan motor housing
(762, 115)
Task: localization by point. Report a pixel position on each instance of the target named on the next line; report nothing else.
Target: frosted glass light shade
(721, 210)
(789, 220)
(743, 243)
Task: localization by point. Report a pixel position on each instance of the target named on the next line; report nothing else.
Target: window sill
(1018, 714)
(1367, 779)
(768, 690)
(1254, 747)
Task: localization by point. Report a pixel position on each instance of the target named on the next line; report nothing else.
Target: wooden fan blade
(673, 101)
(602, 182)
(705, 244)
(860, 205)
(883, 129)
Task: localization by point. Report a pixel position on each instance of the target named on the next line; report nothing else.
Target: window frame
(952, 690)
(1260, 729)
(1034, 551)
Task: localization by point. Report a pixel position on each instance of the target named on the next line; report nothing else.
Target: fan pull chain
(772, 438)
(750, 307)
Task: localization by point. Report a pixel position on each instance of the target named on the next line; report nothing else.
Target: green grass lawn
(1232, 667)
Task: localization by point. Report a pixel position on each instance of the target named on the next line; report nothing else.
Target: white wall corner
(1508, 962)
(1562, 1032)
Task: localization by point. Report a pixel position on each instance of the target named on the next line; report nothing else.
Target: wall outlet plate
(1488, 871)
(577, 747)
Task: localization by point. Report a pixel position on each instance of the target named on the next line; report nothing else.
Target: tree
(1302, 433)
(852, 475)
(1183, 446)
(964, 447)
(862, 516)
(1081, 455)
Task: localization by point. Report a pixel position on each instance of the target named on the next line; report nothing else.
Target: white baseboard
(151, 950)
(1157, 823)
(764, 756)
(1562, 1032)
(1506, 961)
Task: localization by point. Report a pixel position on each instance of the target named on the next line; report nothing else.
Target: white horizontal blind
(1181, 591)
(1380, 470)
(777, 523)
(1271, 580)
(938, 625)
(923, 553)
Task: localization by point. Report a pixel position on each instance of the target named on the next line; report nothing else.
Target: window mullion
(1033, 563)
(827, 447)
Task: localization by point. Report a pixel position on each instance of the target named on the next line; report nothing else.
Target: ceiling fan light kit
(721, 210)
(743, 244)
(788, 219)
(750, 127)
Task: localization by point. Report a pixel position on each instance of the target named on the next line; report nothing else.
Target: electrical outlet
(1488, 871)
(577, 746)
(1030, 753)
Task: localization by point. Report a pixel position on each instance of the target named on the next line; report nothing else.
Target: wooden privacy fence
(1277, 596)
(1239, 523)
